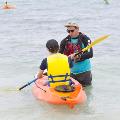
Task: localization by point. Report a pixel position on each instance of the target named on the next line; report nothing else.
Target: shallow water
(23, 34)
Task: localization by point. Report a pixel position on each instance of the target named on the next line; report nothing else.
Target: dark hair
(52, 46)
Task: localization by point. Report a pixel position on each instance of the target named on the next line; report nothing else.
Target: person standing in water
(74, 43)
(7, 6)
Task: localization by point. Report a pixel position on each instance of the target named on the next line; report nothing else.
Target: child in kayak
(57, 65)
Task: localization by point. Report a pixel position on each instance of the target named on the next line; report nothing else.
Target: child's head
(52, 46)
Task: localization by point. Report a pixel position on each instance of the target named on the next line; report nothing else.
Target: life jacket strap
(52, 81)
(51, 76)
(58, 81)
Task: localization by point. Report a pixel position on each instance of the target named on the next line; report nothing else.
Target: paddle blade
(23, 86)
(95, 42)
(9, 89)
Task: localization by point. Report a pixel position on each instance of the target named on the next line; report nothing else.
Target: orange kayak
(52, 96)
(8, 7)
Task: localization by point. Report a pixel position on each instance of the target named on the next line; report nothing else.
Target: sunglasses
(70, 31)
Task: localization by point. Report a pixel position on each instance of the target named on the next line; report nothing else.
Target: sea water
(24, 32)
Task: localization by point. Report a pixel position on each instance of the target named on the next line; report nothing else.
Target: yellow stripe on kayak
(95, 42)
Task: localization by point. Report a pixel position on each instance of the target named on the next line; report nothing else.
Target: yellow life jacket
(58, 70)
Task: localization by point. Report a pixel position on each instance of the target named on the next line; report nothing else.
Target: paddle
(28, 84)
(45, 73)
(96, 41)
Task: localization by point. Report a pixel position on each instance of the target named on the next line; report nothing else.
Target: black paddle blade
(23, 87)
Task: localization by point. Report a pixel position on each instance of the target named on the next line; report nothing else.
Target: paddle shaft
(27, 84)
